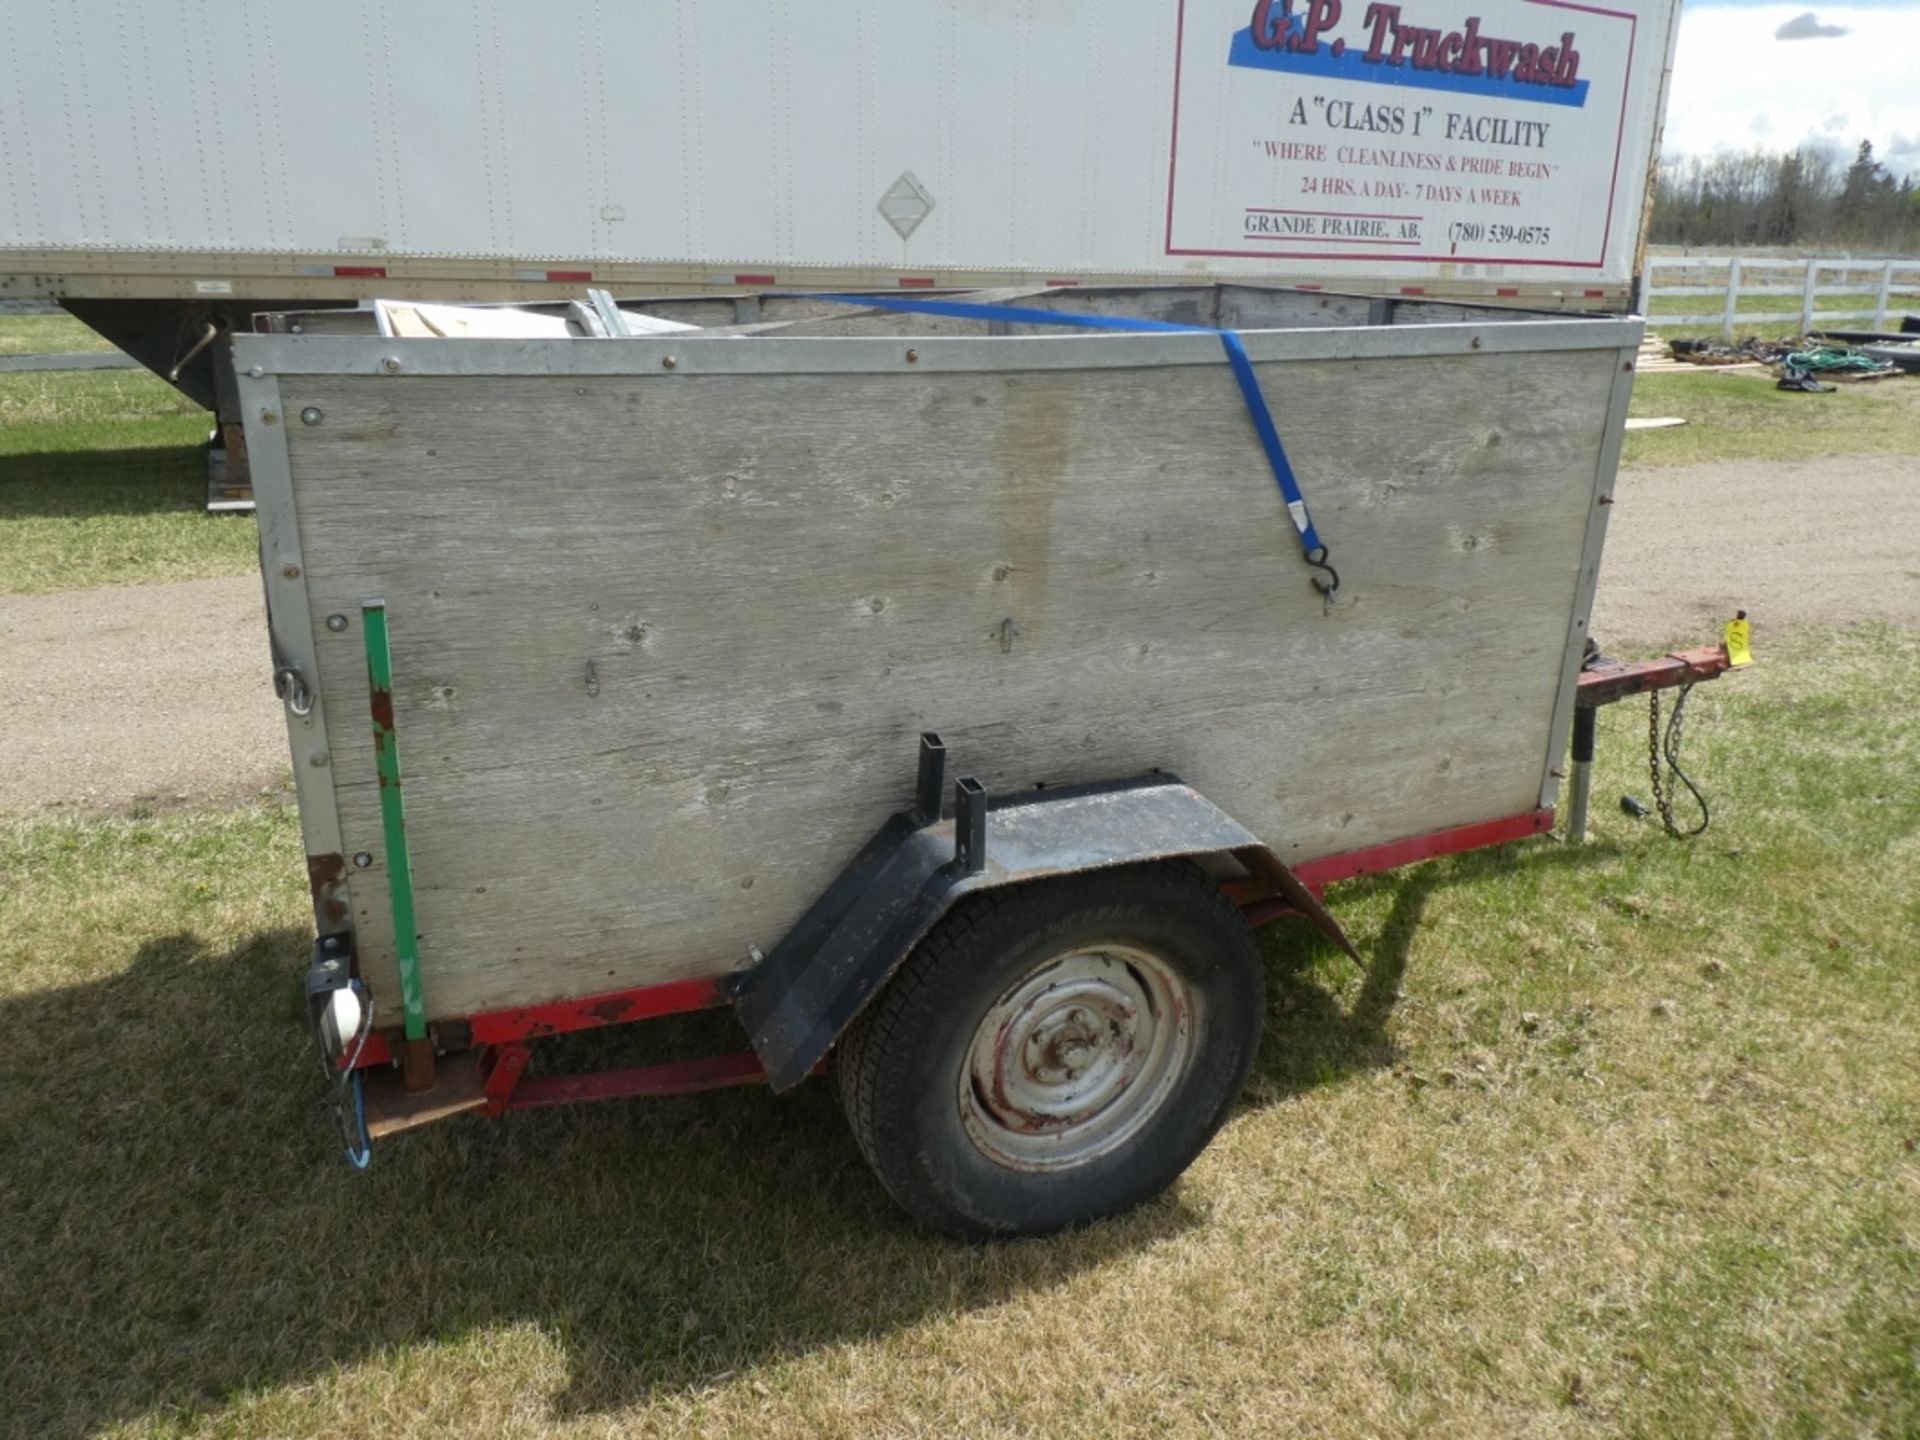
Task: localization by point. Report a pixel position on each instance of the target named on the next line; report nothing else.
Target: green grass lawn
(102, 482)
(1613, 1141)
(1741, 415)
(47, 335)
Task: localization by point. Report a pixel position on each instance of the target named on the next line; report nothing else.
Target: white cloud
(1807, 26)
(1736, 85)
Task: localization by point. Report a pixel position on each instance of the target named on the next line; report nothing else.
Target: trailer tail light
(340, 1021)
(335, 1008)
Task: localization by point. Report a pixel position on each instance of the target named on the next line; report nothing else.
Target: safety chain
(1663, 797)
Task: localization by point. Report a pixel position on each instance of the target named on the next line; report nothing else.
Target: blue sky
(1854, 75)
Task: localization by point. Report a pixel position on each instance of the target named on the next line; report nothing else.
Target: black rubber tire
(901, 1061)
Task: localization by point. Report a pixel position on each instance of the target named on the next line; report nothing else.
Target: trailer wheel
(1057, 1052)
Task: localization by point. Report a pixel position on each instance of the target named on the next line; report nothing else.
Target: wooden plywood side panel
(1251, 307)
(780, 580)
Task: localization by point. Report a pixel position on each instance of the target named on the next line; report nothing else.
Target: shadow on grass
(82, 484)
(1313, 1039)
(182, 1234)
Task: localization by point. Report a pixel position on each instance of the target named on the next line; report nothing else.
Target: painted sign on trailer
(258, 148)
(1396, 137)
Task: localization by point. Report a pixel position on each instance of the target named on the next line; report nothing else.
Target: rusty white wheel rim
(1077, 1057)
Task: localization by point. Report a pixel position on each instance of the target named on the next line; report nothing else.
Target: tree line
(1804, 197)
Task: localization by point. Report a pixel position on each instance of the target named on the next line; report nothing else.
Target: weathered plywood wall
(779, 580)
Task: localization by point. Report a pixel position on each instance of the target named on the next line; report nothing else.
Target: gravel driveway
(161, 694)
(136, 694)
(1819, 542)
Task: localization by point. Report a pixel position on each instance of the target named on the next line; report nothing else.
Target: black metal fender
(797, 1001)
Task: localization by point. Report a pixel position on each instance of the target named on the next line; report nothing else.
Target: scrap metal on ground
(1800, 363)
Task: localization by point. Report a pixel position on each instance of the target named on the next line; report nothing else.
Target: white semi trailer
(175, 165)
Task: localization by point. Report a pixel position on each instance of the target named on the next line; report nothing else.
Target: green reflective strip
(393, 815)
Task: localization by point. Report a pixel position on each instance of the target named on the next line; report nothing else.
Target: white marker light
(340, 1021)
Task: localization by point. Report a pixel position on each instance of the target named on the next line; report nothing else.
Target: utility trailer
(671, 728)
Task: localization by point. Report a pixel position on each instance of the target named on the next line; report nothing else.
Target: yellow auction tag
(1739, 640)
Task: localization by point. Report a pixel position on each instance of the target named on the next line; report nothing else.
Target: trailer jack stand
(1580, 785)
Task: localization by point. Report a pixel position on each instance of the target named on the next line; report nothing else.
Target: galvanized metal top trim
(873, 354)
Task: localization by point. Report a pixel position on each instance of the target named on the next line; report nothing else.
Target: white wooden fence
(1800, 283)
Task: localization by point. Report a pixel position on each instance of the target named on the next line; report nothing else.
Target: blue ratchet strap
(1311, 545)
(360, 1148)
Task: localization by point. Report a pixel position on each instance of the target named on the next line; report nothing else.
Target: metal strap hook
(291, 686)
(1316, 558)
